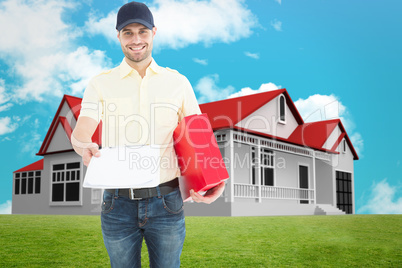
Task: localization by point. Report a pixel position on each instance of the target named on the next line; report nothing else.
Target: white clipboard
(124, 167)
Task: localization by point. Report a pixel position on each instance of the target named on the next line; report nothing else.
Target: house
(278, 165)
(53, 185)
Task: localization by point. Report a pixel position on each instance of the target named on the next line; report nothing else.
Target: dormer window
(344, 146)
(282, 109)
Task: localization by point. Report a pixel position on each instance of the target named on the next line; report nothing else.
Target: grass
(296, 241)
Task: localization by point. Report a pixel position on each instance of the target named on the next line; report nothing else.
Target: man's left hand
(210, 196)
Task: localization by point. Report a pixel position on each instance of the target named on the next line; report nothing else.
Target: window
(66, 182)
(267, 167)
(24, 183)
(303, 184)
(282, 109)
(27, 182)
(266, 164)
(343, 146)
(37, 182)
(17, 183)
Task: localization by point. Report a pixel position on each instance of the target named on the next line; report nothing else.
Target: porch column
(231, 166)
(259, 176)
(314, 180)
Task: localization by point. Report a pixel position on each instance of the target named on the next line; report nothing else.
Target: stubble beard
(138, 58)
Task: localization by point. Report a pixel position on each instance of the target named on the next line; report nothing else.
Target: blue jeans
(160, 220)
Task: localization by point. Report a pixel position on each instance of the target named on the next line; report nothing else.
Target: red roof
(38, 165)
(74, 104)
(227, 113)
(315, 134)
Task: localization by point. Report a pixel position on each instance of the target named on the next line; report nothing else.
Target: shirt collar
(126, 69)
(155, 67)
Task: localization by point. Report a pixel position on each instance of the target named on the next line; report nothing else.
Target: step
(327, 209)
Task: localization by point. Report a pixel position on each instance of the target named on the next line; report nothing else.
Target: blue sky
(323, 52)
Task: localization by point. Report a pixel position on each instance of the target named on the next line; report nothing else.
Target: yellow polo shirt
(137, 111)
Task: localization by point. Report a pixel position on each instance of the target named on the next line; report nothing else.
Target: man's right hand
(82, 141)
(89, 151)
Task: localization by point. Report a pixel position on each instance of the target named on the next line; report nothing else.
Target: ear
(154, 31)
(118, 35)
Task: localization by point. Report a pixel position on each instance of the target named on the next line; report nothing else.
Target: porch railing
(272, 192)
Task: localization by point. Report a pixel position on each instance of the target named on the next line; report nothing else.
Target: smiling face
(136, 42)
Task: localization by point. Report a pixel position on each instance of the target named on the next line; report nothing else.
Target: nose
(136, 39)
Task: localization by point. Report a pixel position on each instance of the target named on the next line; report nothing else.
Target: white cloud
(4, 98)
(208, 90)
(201, 22)
(201, 61)
(40, 47)
(320, 107)
(82, 64)
(105, 26)
(31, 140)
(383, 200)
(7, 125)
(184, 22)
(248, 91)
(358, 143)
(323, 107)
(277, 25)
(279, 1)
(252, 55)
(5, 208)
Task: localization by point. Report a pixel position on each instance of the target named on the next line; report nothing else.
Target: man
(139, 102)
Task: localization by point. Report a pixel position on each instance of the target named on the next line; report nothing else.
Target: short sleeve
(190, 105)
(91, 105)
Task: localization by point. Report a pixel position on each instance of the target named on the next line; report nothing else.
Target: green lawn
(296, 241)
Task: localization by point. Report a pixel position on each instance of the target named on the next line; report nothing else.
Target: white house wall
(325, 182)
(272, 208)
(265, 120)
(287, 169)
(28, 203)
(60, 141)
(344, 160)
(242, 163)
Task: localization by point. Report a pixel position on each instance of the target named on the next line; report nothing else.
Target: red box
(200, 160)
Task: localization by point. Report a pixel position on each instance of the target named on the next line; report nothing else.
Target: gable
(58, 136)
(266, 120)
(60, 141)
(332, 138)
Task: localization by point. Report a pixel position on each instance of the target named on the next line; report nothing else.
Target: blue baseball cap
(134, 12)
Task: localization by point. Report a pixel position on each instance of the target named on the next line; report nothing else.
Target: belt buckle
(132, 197)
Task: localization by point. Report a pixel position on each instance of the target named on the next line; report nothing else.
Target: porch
(268, 169)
